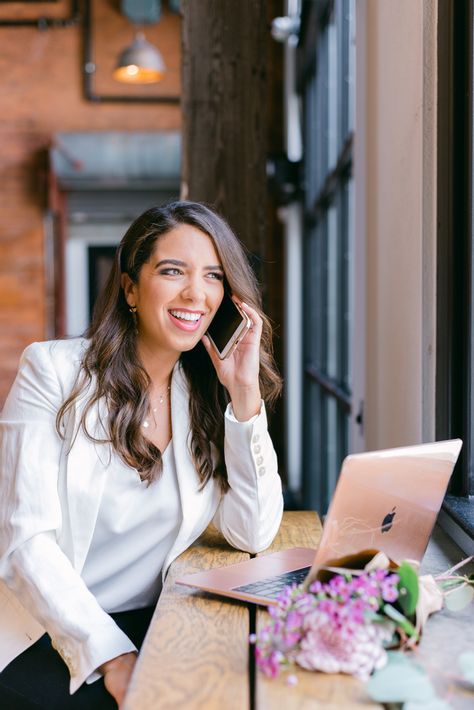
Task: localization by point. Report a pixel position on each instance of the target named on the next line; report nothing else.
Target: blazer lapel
(198, 506)
(86, 472)
(187, 479)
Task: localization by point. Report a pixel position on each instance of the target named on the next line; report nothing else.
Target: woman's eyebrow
(174, 262)
(178, 262)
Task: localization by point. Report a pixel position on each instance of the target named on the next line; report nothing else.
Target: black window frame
(327, 396)
(455, 295)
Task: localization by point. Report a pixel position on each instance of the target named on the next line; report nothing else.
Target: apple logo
(388, 520)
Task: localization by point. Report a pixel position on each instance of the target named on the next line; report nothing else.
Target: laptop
(384, 500)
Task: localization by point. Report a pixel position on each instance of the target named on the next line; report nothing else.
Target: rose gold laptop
(384, 500)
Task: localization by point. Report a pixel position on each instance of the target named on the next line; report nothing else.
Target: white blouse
(135, 529)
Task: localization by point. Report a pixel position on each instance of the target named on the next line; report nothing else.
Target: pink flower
(269, 663)
(341, 626)
(327, 647)
(331, 627)
(389, 589)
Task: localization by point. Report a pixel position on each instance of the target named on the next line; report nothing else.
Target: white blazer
(50, 493)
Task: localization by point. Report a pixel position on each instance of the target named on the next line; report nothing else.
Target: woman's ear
(128, 289)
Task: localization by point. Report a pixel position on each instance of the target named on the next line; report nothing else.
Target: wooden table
(196, 654)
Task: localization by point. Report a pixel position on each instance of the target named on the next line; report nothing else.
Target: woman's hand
(239, 372)
(117, 673)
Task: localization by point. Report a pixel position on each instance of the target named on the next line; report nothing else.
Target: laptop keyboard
(272, 586)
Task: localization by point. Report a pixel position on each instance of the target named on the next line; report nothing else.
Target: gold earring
(133, 309)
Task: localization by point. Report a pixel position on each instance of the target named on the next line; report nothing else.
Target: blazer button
(256, 449)
(259, 460)
(255, 438)
(261, 470)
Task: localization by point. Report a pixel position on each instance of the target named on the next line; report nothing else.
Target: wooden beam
(224, 111)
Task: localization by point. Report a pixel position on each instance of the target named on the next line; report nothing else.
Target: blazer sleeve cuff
(229, 415)
(83, 662)
(248, 449)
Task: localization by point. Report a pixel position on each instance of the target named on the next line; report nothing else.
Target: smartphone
(228, 327)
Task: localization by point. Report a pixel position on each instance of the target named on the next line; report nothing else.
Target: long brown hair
(111, 360)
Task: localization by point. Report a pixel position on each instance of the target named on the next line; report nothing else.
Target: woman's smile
(186, 319)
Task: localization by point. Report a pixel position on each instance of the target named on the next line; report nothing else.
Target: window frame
(455, 295)
(327, 198)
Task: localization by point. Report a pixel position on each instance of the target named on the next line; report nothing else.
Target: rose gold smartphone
(228, 327)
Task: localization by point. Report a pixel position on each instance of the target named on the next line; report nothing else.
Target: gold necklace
(146, 422)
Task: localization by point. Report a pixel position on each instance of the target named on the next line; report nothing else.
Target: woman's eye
(216, 275)
(171, 271)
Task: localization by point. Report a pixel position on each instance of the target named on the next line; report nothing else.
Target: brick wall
(41, 94)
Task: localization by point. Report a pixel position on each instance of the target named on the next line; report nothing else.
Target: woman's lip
(187, 310)
(188, 325)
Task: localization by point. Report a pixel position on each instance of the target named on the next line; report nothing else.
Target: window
(89, 252)
(327, 85)
(99, 183)
(455, 300)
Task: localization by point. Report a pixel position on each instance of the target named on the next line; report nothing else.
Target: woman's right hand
(117, 673)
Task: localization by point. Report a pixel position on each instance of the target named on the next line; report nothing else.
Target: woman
(119, 449)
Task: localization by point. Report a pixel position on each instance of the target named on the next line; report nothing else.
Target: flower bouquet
(348, 618)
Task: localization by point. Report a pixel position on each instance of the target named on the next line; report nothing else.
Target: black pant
(38, 679)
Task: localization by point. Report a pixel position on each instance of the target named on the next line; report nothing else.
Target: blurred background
(336, 138)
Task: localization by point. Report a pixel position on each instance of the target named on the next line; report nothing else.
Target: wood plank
(299, 528)
(313, 690)
(196, 651)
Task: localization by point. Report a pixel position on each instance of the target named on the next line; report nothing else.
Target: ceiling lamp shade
(140, 63)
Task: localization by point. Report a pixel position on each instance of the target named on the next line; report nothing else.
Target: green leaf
(408, 588)
(466, 663)
(400, 620)
(400, 681)
(459, 598)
